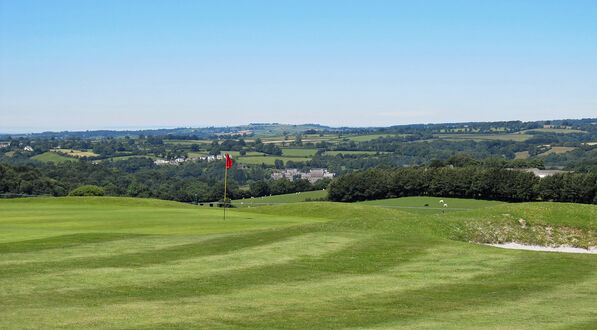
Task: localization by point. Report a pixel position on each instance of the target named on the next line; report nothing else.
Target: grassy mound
(530, 223)
(135, 263)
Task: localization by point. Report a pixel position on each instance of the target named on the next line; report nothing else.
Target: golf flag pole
(228, 165)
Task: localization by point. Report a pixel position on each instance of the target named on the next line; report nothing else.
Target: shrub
(89, 190)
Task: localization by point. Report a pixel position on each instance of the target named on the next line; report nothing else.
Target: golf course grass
(140, 263)
(284, 198)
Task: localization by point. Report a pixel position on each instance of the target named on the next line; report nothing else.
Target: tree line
(185, 183)
(467, 182)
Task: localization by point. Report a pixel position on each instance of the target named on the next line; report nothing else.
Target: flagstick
(225, 182)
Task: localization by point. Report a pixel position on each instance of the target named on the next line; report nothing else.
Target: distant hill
(253, 129)
(277, 129)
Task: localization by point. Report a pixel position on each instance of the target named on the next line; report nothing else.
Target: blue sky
(113, 64)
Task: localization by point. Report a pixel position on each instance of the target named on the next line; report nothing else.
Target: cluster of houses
(176, 161)
(313, 175)
(6, 145)
(557, 126)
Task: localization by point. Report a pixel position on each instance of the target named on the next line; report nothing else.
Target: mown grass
(129, 263)
(416, 204)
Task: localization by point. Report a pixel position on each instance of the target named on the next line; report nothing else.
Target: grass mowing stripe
(500, 287)
(219, 245)
(355, 259)
(333, 266)
(285, 251)
(62, 241)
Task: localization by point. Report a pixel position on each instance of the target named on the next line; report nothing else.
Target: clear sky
(113, 64)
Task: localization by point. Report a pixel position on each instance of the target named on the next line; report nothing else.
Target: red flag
(228, 161)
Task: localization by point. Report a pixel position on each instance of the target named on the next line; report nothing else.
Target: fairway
(140, 263)
(284, 198)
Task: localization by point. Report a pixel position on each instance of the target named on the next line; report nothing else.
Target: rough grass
(76, 153)
(557, 150)
(129, 263)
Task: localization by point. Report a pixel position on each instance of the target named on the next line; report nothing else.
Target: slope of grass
(419, 201)
(76, 153)
(128, 263)
(52, 157)
(285, 198)
(556, 150)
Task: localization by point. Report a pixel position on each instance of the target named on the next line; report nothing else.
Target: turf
(130, 263)
(285, 198)
(432, 203)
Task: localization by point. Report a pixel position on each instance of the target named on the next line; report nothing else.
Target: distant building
(161, 162)
(4, 145)
(28, 148)
(314, 175)
(540, 173)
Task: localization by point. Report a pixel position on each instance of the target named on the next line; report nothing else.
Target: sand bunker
(561, 248)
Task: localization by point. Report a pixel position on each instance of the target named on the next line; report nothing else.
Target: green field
(556, 150)
(293, 152)
(237, 154)
(134, 263)
(285, 198)
(267, 160)
(52, 157)
(75, 153)
(363, 138)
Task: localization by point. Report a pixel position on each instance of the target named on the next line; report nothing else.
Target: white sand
(561, 248)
